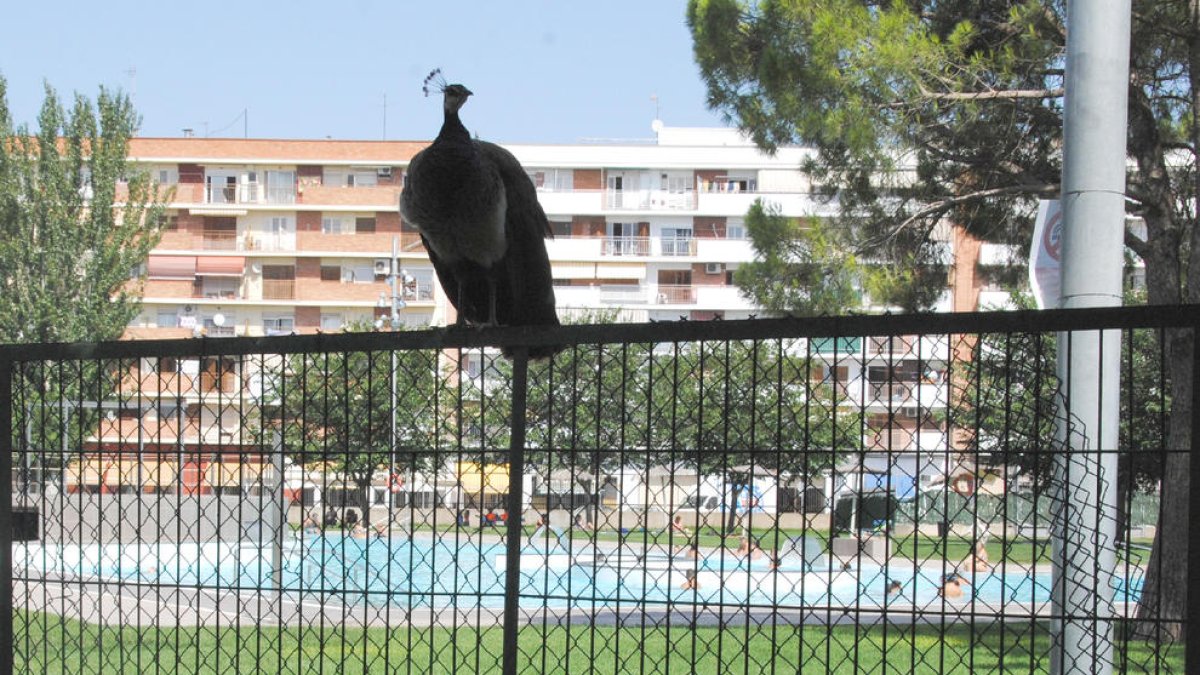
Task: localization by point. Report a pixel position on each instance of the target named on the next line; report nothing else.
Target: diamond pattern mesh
(855, 503)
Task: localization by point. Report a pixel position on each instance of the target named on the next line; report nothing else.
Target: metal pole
(1192, 635)
(1093, 202)
(278, 511)
(6, 570)
(513, 534)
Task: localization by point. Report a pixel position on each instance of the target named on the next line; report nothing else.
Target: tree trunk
(731, 523)
(1163, 602)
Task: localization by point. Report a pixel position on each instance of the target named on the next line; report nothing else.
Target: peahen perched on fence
(479, 218)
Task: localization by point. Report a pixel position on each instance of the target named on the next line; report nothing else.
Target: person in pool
(689, 581)
(952, 586)
(893, 588)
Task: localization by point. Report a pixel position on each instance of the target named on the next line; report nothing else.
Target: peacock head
(454, 95)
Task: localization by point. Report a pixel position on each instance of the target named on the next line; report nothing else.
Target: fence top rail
(1027, 321)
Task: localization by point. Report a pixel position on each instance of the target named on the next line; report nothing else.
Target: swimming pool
(469, 572)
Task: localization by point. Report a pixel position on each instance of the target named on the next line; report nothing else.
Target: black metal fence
(907, 493)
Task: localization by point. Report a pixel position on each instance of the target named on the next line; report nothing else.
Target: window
(331, 322)
(362, 179)
(166, 319)
(555, 180)
(359, 273)
(331, 272)
(735, 231)
(560, 228)
(364, 225)
(279, 324)
(331, 225)
(281, 225)
(281, 187)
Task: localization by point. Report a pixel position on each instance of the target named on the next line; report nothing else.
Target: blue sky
(542, 71)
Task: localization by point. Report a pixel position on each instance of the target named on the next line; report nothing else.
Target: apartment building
(294, 236)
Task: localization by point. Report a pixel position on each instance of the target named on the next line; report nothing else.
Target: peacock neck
(452, 128)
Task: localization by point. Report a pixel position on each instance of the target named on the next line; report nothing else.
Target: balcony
(626, 246)
(674, 247)
(569, 202)
(249, 193)
(631, 294)
(670, 294)
(219, 240)
(724, 250)
(374, 197)
(649, 200)
(279, 289)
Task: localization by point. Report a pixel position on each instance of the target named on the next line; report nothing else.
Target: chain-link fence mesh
(872, 494)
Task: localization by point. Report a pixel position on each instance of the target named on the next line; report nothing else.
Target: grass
(49, 644)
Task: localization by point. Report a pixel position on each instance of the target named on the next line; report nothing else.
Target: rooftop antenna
(385, 115)
(132, 73)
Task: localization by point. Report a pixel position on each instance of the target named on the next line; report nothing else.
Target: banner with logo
(1045, 256)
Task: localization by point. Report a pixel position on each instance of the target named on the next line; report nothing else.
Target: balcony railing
(675, 246)
(636, 246)
(249, 193)
(676, 294)
(649, 200)
(279, 289)
(632, 293)
(219, 240)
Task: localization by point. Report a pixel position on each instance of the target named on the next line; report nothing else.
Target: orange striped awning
(221, 265)
(171, 267)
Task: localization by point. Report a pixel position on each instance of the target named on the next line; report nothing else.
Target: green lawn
(47, 644)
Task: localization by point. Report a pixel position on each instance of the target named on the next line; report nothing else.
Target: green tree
(359, 412)
(76, 221)
(924, 112)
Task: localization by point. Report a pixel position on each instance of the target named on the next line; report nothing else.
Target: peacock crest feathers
(435, 82)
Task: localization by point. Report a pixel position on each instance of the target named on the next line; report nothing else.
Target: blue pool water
(427, 573)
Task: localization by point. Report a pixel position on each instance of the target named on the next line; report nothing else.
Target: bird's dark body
(479, 218)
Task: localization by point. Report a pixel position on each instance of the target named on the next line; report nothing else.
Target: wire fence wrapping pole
(516, 474)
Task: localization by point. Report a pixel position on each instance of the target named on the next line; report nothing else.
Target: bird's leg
(461, 319)
(491, 301)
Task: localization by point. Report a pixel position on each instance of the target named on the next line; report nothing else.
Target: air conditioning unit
(383, 266)
(384, 172)
(714, 268)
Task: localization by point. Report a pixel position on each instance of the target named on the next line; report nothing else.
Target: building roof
(240, 150)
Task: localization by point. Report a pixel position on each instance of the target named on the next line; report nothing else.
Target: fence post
(516, 476)
(1192, 629)
(6, 530)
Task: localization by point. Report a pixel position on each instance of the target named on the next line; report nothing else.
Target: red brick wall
(309, 174)
(708, 227)
(308, 221)
(308, 317)
(387, 221)
(588, 179)
(707, 175)
(308, 268)
(702, 278)
(191, 173)
(587, 226)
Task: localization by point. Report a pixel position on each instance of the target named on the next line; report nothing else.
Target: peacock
(478, 215)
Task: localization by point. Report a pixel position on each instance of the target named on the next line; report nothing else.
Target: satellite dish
(656, 126)
(218, 319)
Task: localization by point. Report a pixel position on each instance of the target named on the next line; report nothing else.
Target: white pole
(1093, 202)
